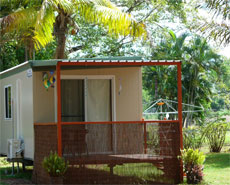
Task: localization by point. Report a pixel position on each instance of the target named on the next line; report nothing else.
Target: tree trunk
(60, 49)
(60, 31)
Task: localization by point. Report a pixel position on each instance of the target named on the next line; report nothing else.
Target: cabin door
(99, 138)
(89, 100)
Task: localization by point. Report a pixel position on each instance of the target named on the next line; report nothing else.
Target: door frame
(18, 108)
(113, 102)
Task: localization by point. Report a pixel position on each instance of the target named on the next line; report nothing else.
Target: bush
(215, 134)
(56, 166)
(193, 161)
(192, 138)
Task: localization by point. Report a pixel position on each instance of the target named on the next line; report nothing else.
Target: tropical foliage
(193, 165)
(35, 22)
(192, 138)
(218, 27)
(199, 70)
(215, 134)
(55, 165)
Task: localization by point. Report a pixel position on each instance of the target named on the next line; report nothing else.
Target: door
(72, 108)
(99, 137)
(88, 100)
(18, 109)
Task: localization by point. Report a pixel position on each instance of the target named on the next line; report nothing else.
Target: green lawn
(142, 173)
(217, 168)
(5, 171)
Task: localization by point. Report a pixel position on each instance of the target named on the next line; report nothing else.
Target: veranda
(73, 138)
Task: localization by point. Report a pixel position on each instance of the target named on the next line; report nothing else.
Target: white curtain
(99, 138)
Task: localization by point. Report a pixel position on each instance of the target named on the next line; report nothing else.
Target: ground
(15, 181)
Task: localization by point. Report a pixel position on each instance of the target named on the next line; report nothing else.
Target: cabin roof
(82, 62)
(115, 61)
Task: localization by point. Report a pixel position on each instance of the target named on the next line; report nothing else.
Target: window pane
(9, 102)
(8, 106)
(72, 100)
(6, 102)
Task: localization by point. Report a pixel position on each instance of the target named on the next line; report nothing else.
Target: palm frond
(105, 13)
(65, 5)
(43, 28)
(9, 3)
(20, 20)
(217, 31)
(220, 7)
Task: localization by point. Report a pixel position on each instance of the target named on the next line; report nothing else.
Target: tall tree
(38, 22)
(200, 70)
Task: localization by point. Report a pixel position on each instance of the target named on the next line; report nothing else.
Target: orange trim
(145, 139)
(119, 122)
(44, 124)
(59, 134)
(180, 118)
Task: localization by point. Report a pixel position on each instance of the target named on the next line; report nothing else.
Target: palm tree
(199, 64)
(39, 22)
(219, 30)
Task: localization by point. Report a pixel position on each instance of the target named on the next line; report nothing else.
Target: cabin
(88, 110)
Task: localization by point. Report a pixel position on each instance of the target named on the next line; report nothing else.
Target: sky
(225, 51)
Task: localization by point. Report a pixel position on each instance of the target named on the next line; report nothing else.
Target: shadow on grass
(218, 160)
(5, 173)
(99, 176)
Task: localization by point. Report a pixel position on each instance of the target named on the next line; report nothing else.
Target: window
(8, 105)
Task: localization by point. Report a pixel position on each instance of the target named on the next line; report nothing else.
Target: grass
(217, 168)
(217, 165)
(6, 170)
(145, 172)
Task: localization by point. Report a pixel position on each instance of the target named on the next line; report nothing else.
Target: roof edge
(15, 67)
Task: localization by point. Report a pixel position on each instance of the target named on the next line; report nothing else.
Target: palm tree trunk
(60, 31)
(60, 49)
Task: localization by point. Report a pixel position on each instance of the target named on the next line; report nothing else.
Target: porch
(160, 149)
(89, 142)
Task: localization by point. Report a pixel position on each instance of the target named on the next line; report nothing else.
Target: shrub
(215, 134)
(55, 165)
(192, 138)
(193, 161)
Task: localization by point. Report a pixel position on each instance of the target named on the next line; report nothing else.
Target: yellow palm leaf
(105, 13)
